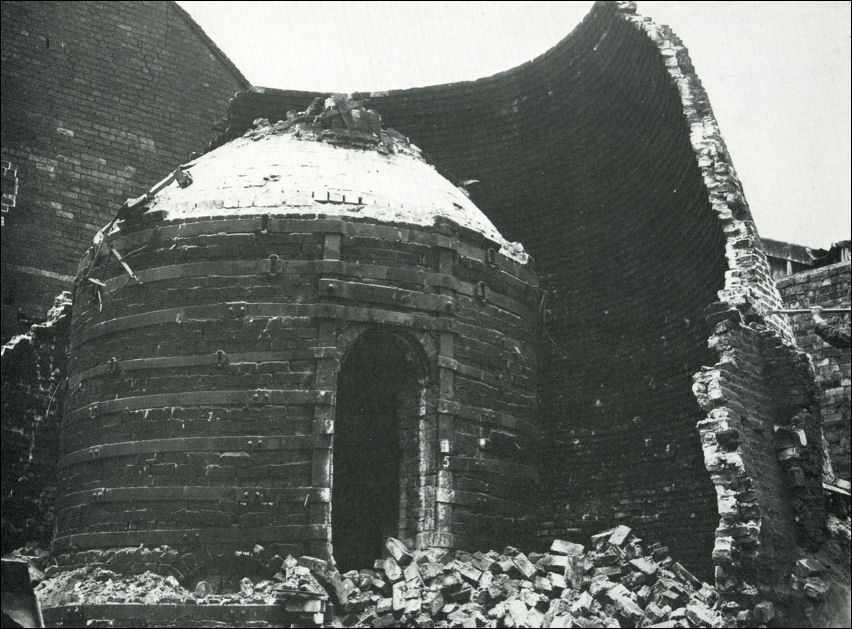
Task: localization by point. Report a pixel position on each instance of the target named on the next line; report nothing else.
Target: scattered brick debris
(613, 581)
(616, 582)
(96, 585)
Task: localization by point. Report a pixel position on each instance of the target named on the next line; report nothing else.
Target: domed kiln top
(332, 161)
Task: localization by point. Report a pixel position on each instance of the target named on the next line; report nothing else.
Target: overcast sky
(778, 75)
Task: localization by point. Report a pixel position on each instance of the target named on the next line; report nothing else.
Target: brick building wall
(827, 286)
(33, 396)
(99, 100)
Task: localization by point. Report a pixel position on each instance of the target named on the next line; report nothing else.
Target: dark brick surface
(828, 287)
(198, 397)
(33, 395)
(99, 101)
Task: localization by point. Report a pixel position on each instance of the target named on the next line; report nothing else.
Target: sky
(777, 74)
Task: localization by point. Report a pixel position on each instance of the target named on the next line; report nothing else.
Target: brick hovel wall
(615, 199)
(201, 404)
(763, 450)
(99, 100)
(33, 396)
(827, 286)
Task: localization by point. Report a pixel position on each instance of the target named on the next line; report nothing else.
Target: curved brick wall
(202, 398)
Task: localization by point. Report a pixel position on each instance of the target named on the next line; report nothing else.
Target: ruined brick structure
(99, 99)
(33, 391)
(213, 382)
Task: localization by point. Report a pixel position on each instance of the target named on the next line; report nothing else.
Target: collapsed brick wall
(827, 286)
(33, 396)
(99, 100)
(201, 404)
(763, 449)
(769, 489)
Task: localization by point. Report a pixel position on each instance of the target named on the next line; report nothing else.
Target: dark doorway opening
(375, 461)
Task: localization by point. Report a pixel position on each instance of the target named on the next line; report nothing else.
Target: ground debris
(615, 583)
(97, 585)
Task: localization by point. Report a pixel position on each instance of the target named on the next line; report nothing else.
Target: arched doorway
(381, 401)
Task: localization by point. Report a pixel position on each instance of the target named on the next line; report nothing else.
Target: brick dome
(335, 166)
(306, 339)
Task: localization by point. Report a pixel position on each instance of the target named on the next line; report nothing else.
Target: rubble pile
(38, 560)
(338, 120)
(615, 583)
(96, 585)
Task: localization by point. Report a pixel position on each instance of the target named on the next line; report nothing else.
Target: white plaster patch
(279, 174)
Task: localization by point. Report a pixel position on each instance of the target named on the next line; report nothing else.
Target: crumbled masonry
(614, 581)
(827, 286)
(33, 396)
